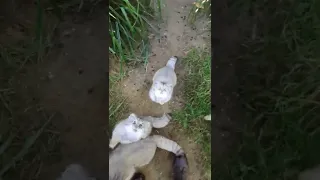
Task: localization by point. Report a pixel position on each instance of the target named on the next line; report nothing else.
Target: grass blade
(29, 142)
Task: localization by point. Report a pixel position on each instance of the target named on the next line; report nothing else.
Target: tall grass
(280, 92)
(128, 29)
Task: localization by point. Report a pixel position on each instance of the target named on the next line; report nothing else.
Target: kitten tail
(167, 144)
(172, 62)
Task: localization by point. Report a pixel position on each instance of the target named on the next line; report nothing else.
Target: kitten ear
(132, 117)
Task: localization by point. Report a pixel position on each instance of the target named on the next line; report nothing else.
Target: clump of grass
(128, 30)
(198, 100)
(280, 92)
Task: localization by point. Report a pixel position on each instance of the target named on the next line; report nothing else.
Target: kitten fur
(164, 81)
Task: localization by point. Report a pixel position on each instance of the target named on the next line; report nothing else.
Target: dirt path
(176, 38)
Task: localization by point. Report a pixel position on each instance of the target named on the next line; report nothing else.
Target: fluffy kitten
(130, 130)
(134, 128)
(164, 80)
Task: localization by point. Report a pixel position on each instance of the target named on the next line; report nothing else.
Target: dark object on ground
(138, 176)
(180, 167)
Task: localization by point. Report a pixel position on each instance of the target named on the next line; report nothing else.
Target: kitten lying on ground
(134, 128)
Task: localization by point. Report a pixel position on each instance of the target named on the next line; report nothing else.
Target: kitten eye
(134, 122)
(140, 125)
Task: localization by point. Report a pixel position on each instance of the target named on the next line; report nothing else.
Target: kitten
(130, 130)
(134, 128)
(164, 80)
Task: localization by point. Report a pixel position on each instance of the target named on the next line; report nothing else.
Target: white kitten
(164, 80)
(130, 130)
(134, 128)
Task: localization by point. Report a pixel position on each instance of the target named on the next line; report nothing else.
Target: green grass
(198, 100)
(280, 84)
(129, 29)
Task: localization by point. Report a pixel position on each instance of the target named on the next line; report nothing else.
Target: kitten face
(161, 92)
(136, 123)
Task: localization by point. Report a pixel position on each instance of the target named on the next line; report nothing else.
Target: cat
(127, 158)
(134, 128)
(164, 81)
